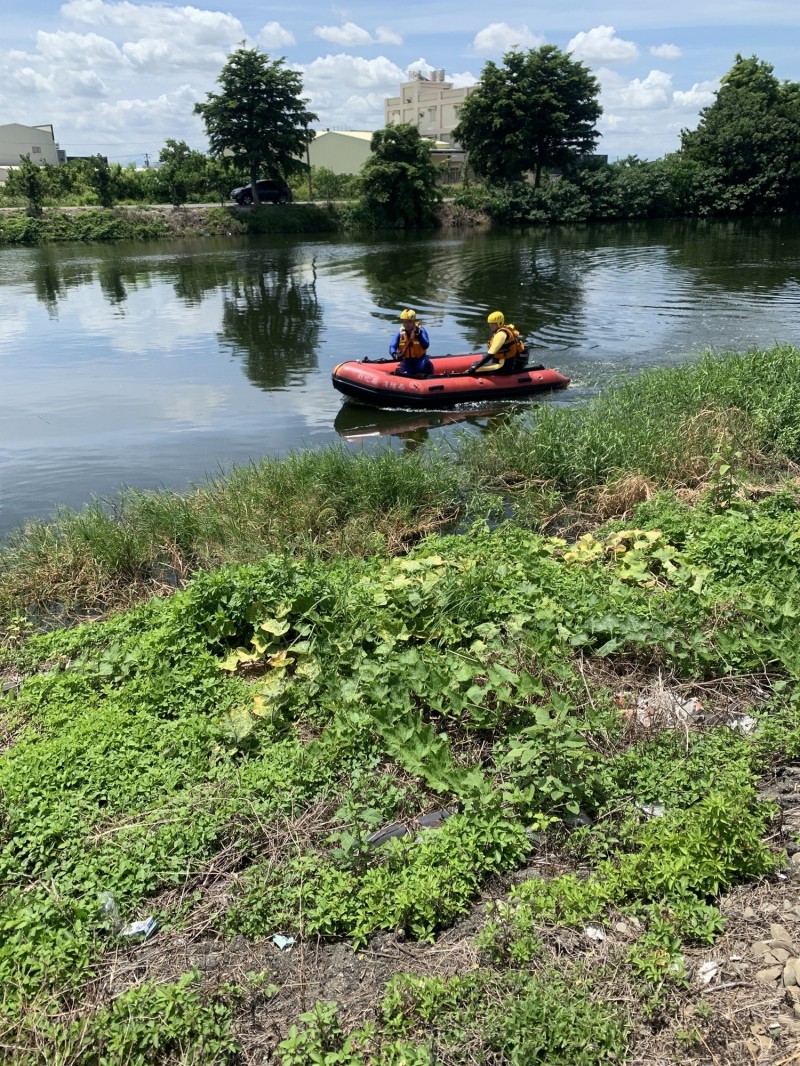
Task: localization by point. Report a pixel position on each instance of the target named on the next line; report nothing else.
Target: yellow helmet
(496, 318)
(408, 314)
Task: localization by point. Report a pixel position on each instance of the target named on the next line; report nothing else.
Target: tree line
(529, 130)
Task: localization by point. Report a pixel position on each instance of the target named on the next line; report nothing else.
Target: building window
(36, 150)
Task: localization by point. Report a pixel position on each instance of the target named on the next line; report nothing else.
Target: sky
(119, 77)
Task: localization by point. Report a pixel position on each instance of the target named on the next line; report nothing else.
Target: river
(159, 364)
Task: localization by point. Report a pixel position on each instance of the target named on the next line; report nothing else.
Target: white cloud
(31, 80)
(158, 21)
(155, 55)
(700, 95)
(654, 91)
(77, 49)
(601, 45)
(349, 91)
(163, 112)
(494, 40)
(273, 35)
(666, 51)
(82, 83)
(461, 81)
(352, 71)
(349, 35)
(383, 35)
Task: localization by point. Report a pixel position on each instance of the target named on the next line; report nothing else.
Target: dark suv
(269, 192)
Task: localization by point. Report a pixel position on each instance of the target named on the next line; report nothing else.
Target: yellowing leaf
(239, 655)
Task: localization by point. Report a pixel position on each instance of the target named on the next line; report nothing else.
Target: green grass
(325, 502)
(320, 674)
(121, 224)
(664, 426)
(266, 717)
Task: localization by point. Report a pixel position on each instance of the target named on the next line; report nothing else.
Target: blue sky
(120, 76)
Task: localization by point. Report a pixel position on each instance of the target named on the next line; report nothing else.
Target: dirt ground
(742, 1005)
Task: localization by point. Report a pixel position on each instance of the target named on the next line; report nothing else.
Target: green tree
(101, 180)
(398, 181)
(259, 117)
(182, 170)
(27, 181)
(749, 140)
(537, 110)
(217, 178)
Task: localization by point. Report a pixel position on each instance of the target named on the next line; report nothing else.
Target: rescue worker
(410, 345)
(506, 354)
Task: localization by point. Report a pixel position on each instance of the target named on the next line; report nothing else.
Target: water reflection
(52, 278)
(453, 283)
(273, 318)
(363, 425)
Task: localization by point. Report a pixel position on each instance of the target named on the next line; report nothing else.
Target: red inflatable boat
(376, 382)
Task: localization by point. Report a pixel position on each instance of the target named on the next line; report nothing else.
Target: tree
(101, 180)
(398, 181)
(217, 178)
(27, 181)
(537, 110)
(749, 138)
(259, 117)
(182, 170)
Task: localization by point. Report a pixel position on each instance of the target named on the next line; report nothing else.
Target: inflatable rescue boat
(376, 382)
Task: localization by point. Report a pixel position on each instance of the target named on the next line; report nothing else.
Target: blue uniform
(411, 349)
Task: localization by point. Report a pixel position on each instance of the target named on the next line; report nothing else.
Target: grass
(562, 468)
(143, 223)
(219, 757)
(330, 502)
(661, 428)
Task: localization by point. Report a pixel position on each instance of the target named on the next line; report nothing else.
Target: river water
(159, 364)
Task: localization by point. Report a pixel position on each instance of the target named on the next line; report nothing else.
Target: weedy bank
(556, 470)
(220, 760)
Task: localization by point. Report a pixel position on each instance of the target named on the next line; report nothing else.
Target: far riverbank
(61, 225)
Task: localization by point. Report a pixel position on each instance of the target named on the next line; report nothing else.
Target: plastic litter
(594, 932)
(380, 836)
(708, 971)
(664, 708)
(431, 820)
(577, 821)
(434, 818)
(109, 911)
(745, 724)
(284, 943)
(144, 928)
(652, 810)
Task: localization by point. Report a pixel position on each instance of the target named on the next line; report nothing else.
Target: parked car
(270, 191)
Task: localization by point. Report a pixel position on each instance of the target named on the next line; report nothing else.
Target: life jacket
(513, 344)
(410, 347)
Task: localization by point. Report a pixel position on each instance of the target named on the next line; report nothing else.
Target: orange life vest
(513, 344)
(410, 346)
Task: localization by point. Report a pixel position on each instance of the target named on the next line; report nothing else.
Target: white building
(36, 141)
(431, 104)
(342, 151)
